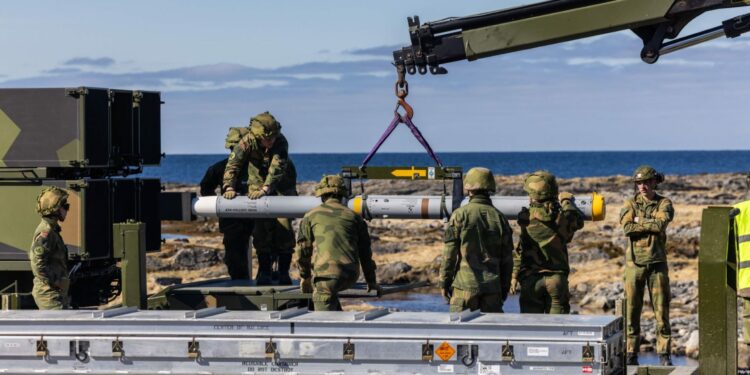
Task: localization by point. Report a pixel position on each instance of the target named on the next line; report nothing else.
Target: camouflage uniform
(478, 253)
(342, 245)
(236, 231)
(275, 237)
(49, 255)
(270, 168)
(541, 257)
(646, 265)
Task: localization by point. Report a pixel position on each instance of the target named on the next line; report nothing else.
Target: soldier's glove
(306, 285)
(374, 286)
(515, 286)
(523, 217)
(447, 293)
(230, 193)
(63, 284)
(256, 194)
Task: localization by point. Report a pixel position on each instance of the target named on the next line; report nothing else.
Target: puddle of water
(171, 236)
(651, 358)
(429, 302)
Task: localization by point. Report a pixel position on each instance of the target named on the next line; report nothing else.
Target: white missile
(374, 206)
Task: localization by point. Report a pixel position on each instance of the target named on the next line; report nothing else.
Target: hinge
(118, 350)
(194, 349)
(77, 92)
(41, 347)
(507, 353)
(587, 353)
(428, 351)
(348, 351)
(270, 349)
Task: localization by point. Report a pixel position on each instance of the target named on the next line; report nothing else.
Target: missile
(374, 206)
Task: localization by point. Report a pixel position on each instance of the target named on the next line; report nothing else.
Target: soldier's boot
(665, 360)
(265, 263)
(632, 359)
(284, 261)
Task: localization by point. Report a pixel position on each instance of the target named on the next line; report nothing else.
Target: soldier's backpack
(234, 136)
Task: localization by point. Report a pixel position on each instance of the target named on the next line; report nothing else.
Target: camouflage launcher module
(83, 140)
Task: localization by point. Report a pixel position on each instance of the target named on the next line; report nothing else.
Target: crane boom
(488, 34)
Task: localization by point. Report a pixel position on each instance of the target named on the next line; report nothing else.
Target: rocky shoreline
(410, 250)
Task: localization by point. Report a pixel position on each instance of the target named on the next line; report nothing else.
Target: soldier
(342, 244)
(644, 220)
(236, 231)
(264, 153)
(541, 267)
(49, 255)
(478, 254)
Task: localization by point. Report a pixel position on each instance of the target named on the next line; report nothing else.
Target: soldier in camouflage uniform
(264, 153)
(478, 254)
(341, 243)
(49, 255)
(644, 219)
(541, 267)
(236, 231)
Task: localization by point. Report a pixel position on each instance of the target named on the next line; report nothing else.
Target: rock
(386, 247)
(396, 272)
(691, 347)
(582, 288)
(197, 258)
(166, 281)
(155, 264)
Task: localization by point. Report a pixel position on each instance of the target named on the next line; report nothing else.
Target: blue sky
(323, 69)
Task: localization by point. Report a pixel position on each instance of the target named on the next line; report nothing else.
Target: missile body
(373, 206)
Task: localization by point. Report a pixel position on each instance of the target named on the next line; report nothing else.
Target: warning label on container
(537, 351)
(486, 369)
(445, 351)
(445, 369)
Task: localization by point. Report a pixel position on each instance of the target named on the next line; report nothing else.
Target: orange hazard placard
(445, 351)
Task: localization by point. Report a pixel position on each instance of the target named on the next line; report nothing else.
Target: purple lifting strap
(397, 118)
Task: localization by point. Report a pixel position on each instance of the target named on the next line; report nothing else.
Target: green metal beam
(717, 305)
(129, 243)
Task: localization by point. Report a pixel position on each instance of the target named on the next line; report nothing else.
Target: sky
(323, 69)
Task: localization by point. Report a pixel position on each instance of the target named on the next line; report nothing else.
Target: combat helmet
(234, 135)
(50, 200)
(541, 186)
(645, 173)
(331, 184)
(265, 125)
(479, 178)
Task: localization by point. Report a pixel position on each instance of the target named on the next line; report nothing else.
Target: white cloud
(377, 74)
(612, 62)
(181, 85)
(682, 62)
(618, 63)
(329, 76)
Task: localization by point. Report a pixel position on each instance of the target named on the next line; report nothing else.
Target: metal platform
(245, 295)
(296, 341)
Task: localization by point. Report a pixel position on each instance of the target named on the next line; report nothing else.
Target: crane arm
(488, 34)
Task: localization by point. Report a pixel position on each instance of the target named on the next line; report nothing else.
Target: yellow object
(742, 231)
(598, 208)
(357, 205)
(413, 173)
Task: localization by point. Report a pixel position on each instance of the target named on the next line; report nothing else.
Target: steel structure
(296, 341)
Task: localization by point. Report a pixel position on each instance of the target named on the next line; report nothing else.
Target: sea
(189, 168)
